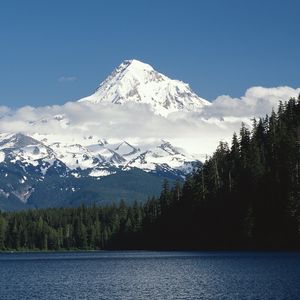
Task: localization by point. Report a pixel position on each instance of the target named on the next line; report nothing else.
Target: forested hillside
(246, 196)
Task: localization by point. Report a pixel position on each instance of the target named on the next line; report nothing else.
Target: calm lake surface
(150, 275)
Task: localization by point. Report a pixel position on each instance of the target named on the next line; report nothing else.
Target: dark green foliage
(243, 197)
(247, 196)
(69, 228)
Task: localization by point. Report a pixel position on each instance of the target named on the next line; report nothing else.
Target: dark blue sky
(55, 51)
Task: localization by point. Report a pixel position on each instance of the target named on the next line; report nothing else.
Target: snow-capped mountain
(134, 81)
(39, 169)
(92, 154)
(31, 165)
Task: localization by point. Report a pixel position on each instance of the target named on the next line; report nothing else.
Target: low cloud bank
(198, 132)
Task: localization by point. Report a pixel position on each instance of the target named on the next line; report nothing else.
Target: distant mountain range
(44, 170)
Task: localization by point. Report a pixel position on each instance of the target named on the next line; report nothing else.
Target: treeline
(246, 196)
(69, 228)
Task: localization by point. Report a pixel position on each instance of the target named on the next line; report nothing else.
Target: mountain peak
(134, 64)
(135, 81)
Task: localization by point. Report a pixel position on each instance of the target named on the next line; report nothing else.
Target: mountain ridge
(134, 81)
(30, 161)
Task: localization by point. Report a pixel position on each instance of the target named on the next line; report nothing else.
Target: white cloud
(198, 132)
(4, 110)
(64, 79)
(256, 102)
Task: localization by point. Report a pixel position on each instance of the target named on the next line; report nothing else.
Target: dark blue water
(150, 275)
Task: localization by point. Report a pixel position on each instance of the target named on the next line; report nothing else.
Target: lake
(150, 275)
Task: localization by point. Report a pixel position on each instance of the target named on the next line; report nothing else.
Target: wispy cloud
(64, 79)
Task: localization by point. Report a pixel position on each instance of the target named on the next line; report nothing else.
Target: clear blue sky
(219, 47)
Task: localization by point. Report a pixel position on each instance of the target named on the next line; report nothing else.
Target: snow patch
(2, 156)
(101, 173)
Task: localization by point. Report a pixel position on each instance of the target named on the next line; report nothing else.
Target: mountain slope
(134, 81)
(42, 173)
(52, 168)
